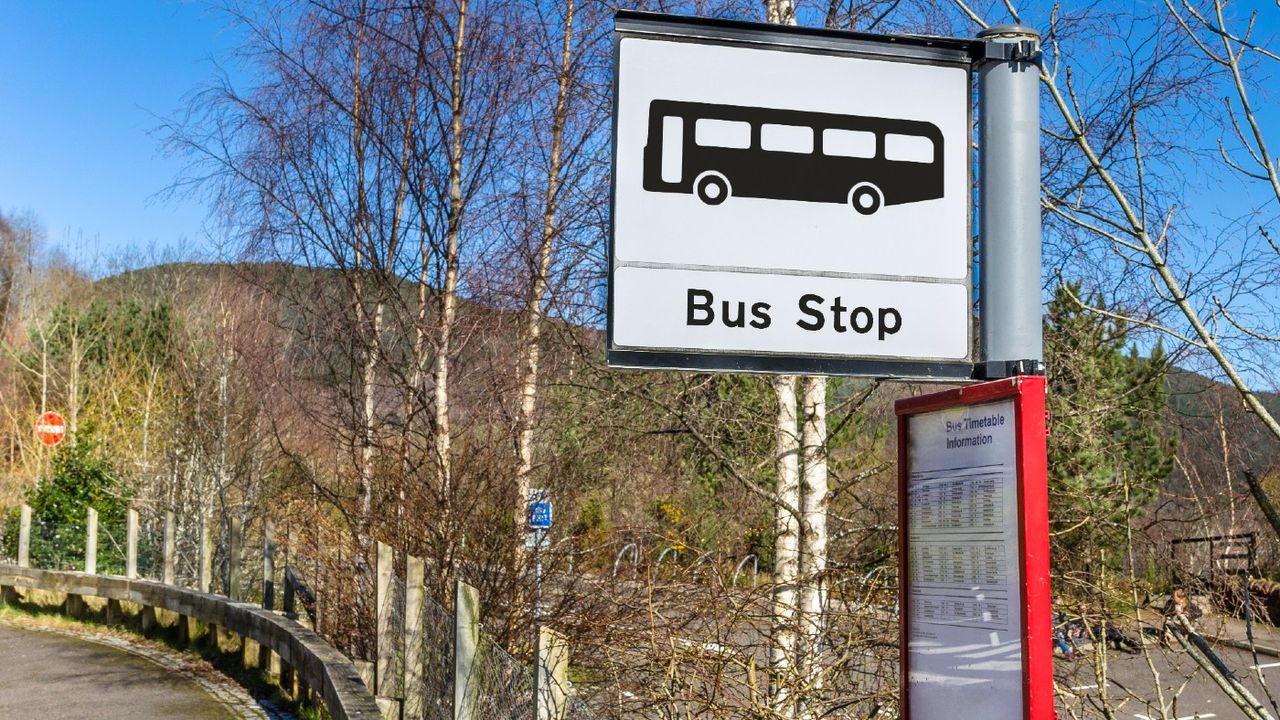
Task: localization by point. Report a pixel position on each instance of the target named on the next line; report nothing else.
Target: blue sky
(83, 90)
(86, 83)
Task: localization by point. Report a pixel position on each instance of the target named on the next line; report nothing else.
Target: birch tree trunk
(44, 373)
(786, 562)
(364, 433)
(73, 385)
(780, 12)
(420, 341)
(443, 438)
(813, 536)
(534, 310)
(368, 326)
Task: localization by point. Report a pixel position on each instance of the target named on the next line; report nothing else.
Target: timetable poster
(963, 564)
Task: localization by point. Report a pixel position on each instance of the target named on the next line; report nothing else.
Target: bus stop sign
(790, 200)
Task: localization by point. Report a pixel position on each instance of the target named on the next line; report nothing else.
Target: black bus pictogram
(718, 151)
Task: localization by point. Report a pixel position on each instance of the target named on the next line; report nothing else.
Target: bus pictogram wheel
(866, 198)
(712, 188)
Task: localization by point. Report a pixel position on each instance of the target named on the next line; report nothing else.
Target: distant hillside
(1207, 411)
(1200, 406)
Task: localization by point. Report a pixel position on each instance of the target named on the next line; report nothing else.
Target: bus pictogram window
(673, 141)
(786, 138)
(722, 134)
(908, 148)
(848, 143)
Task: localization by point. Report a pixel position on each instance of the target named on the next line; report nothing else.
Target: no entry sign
(790, 200)
(51, 428)
(974, 563)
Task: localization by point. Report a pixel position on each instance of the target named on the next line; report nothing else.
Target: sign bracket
(1023, 50)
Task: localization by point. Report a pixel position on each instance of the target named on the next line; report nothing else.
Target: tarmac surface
(1132, 691)
(51, 676)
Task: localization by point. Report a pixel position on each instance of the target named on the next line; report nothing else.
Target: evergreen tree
(82, 478)
(1107, 454)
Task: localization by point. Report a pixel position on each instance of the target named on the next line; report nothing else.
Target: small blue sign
(540, 515)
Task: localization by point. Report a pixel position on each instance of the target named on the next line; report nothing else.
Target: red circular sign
(51, 428)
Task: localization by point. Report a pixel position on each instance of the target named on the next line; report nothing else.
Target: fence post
(131, 545)
(91, 542)
(388, 648)
(553, 675)
(24, 537)
(415, 574)
(268, 660)
(233, 561)
(206, 555)
(170, 548)
(287, 675)
(466, 650)
(290, 604)
(269, 565)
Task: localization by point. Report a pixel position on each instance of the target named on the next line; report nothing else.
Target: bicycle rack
(657, 566)
(635, 556)
(755, 570)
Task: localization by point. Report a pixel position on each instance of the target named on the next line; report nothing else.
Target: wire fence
(112, 546)
(436, 691)
(392, 613)
(61, 544)
(504, 685)
(57, 546)
(9, 524)
(580, 709)
(150, 545)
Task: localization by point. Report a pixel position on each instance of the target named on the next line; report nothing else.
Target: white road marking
(1199, 716)
(1085, 687)
(1264, 665)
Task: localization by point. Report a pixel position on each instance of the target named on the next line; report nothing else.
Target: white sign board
(964, 586)
(783, 204)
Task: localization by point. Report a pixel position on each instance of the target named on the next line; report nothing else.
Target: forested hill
(1200, 407)
(1211, 415)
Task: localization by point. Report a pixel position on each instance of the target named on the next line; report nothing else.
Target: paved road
(47, 676)
(1131, 688)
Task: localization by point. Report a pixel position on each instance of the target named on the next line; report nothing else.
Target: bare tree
(541, 267)
(783, 663)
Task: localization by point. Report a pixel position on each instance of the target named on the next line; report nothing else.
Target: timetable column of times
(962, 524)
(958, 564)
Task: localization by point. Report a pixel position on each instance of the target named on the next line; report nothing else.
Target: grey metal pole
(1009, 211)
(537, 606)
